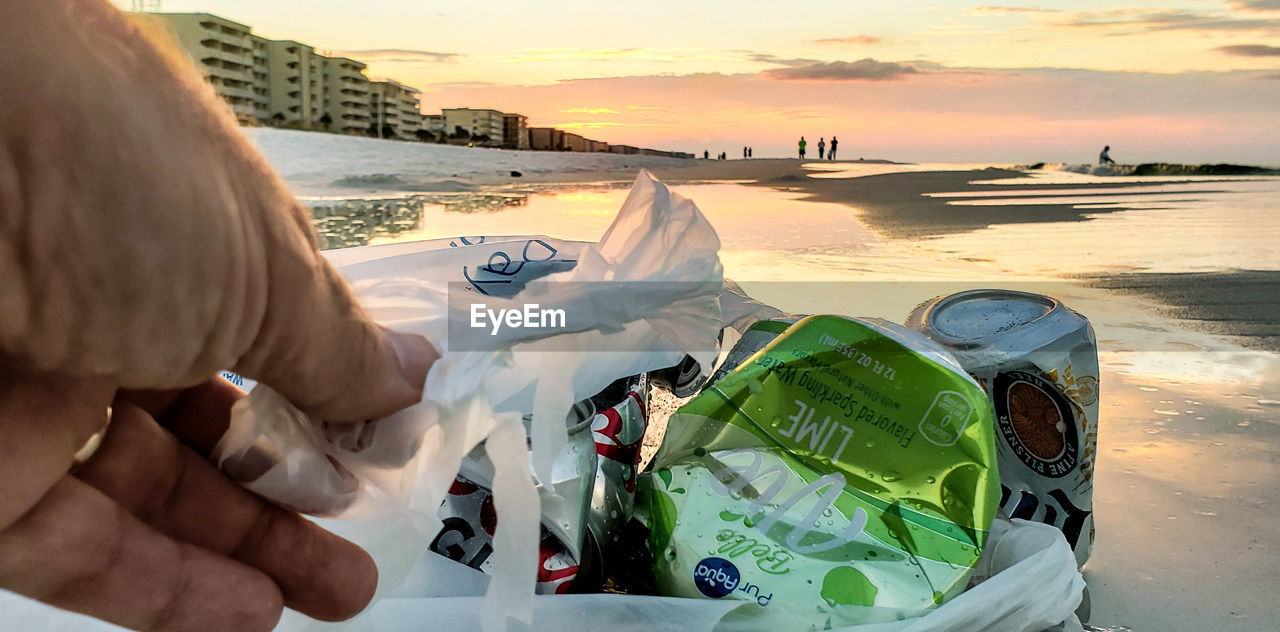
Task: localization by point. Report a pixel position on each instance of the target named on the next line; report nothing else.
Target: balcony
(223, 56)
(234, 38)
(235, 91)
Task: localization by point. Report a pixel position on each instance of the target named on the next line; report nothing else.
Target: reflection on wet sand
(343, 223)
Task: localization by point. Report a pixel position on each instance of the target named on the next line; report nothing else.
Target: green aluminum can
(847, 463)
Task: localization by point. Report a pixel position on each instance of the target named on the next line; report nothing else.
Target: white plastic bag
(1029, 584)
(639, 300)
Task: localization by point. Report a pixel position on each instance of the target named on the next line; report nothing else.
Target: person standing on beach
(744, 152)
(802, 144)
(832, 154)
(144, 246)
(706, 154)
(749, 151)
(1104, 158)
(822, 146)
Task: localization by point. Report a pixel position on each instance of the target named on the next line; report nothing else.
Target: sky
(916, 80)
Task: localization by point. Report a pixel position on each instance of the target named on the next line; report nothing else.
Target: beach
(1178, 274)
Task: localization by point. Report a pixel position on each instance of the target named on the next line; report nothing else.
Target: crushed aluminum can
(591, 494)
(848, 463)
(467, 537)
(1038, 361)
(617, 430)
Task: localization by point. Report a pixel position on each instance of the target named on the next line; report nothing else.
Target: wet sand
(1243, 305)
(898, 205)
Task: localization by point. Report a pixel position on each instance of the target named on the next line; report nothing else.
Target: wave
(1156, 169)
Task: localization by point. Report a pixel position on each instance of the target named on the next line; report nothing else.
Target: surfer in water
(1104, 158)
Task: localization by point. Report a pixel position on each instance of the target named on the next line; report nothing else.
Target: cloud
(1012, 10)
(652, 55)
(1255, 5)
(856, 40)
(1250, 50)
(1166, 20)
(766, 58)
(862, 70)
(402, 55)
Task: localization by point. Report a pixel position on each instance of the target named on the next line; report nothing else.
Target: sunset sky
(928, 80)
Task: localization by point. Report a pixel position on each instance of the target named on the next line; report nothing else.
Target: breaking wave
(1157, 169)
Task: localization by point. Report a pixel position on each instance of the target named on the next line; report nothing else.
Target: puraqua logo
(717, 577)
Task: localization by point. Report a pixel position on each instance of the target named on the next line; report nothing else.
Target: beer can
(1038, 362)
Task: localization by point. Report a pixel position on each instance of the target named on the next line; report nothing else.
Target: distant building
(597, 146)
(542, 138)
(574, 142)
(296, 86)
(515, 131)
(223, 51)
(346, 95)
(485, 126)
(624, 149)
(396, 105)
(261, 79)
(434, 123)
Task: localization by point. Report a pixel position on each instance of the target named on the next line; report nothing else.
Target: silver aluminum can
(617, 430)
(1038, 361)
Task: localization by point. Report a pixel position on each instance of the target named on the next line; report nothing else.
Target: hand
(145, 245)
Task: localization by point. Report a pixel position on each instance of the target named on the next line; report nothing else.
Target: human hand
(145, 245)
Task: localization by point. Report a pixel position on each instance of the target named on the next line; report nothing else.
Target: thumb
(318, 348)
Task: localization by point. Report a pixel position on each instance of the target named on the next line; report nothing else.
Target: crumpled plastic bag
(640, 299)
(1027, 581)
(1030, 583)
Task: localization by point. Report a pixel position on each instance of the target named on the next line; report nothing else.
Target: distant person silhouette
(802, 144)
(831, 155)
(706, 154)
(822, 147)
(750, 150)
(744, 152)
(1104, 158)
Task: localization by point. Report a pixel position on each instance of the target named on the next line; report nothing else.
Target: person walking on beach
(831, 155)
(744, 152)
(822, 146)
(750, 150)
(802, 144)
(127, 284)
(1104, 158)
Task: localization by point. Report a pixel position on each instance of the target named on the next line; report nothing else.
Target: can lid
(977, 314)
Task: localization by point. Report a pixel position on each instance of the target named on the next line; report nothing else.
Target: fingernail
(415, 353)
